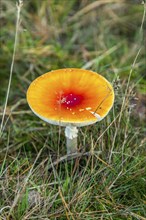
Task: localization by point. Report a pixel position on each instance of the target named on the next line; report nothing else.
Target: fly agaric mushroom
(72, 98)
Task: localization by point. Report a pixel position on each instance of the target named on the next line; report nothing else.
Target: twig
(70, 157)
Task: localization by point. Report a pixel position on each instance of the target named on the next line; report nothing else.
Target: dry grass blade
(66, 206)
(91, 7)
(19, 7)
(101, 57)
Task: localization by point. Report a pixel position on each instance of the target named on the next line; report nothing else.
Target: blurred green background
(100, 35)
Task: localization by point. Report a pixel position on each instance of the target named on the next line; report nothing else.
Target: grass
(106, 37)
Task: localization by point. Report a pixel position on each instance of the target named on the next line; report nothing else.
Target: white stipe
(71, 132)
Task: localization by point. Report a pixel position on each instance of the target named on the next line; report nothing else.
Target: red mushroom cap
(70, 96)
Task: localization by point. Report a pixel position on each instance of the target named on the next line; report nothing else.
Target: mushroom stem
(71, 145)
(71, 133)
